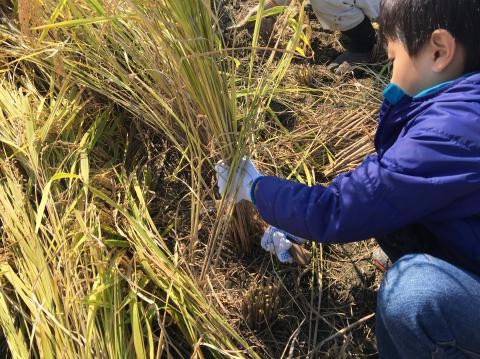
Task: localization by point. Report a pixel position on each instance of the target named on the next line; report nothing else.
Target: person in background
(419, 194)
(351, 17)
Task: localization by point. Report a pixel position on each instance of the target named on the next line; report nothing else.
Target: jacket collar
(394, 93)
(398, 108)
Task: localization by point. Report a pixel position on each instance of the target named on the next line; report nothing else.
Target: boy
(419, 195)
(351, 17)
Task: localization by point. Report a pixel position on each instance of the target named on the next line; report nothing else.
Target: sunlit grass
(87, 271)
(166, 63)
(73, 285)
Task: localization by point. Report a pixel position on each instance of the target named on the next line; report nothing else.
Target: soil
(289, 310)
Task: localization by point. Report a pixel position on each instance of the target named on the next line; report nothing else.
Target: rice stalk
(107, 47)
(70, 288)
(166, 63)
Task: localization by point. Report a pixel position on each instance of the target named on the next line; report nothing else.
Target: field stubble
(137, 202)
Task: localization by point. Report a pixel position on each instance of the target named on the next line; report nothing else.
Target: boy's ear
(444, 49)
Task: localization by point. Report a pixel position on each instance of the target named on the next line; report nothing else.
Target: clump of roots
(261, 303)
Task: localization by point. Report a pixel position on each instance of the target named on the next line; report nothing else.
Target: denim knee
(407, 292)
(425, 304)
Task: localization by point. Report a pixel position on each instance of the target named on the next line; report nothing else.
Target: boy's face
(410, 73)
(440, 59)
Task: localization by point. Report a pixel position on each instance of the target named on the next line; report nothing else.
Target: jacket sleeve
(415, 179)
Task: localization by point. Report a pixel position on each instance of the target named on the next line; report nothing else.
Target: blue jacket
(426, 170)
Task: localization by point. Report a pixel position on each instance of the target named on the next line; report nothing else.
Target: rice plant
(174, 74)
(165, 62)
(87, 271)
(77, 282)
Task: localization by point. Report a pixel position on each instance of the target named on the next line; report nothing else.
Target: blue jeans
(428, 308)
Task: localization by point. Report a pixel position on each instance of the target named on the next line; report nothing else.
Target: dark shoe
(381, 260)
(361, 38)
(359, 43)
(344, 62)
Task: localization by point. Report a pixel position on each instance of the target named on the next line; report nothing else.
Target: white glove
(278, 242)
(242, 182)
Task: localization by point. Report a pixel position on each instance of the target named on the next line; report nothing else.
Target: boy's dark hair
(413, 22)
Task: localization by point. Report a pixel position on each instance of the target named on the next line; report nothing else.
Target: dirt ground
(326, 309)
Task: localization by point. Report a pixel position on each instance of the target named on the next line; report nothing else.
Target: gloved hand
(279, 242)
(241, 186)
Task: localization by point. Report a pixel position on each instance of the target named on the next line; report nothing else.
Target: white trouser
(341, 15)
